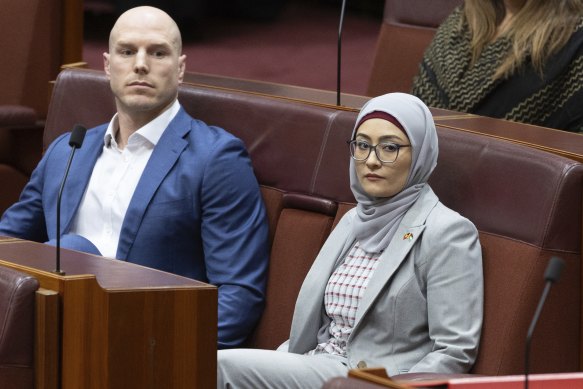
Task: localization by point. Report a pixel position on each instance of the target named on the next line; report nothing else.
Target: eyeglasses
(385, 152)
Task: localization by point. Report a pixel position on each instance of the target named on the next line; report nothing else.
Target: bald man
(154, 186)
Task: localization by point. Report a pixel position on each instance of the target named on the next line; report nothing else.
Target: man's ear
(106, 64)
(181, 67)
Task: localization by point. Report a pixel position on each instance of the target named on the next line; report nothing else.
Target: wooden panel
(290, 92)
(173, 343)
(84, 335)
(72, 35)
(122, 325)
(47, 338)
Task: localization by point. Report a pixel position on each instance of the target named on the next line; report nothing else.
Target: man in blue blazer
(154, 186)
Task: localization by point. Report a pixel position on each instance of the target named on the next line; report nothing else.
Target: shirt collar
(152, 131)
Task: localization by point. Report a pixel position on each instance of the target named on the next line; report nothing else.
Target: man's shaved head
(147, 16)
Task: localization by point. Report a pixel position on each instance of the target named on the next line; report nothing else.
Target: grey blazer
(422, 309)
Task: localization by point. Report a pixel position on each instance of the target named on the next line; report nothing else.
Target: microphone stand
(552, 275)
(531, 330)
(339, 57)
(75, 141)
(58, 269)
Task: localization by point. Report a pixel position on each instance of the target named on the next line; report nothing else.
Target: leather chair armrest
(17, 116)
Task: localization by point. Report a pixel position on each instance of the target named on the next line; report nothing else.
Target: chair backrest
(526, 204)
(407, 29)
(17, 326)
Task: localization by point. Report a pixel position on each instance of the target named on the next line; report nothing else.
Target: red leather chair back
(17, 326)
(407, 29)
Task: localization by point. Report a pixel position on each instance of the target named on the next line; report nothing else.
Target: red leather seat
(17, 326)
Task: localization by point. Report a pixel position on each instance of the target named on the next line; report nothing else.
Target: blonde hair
(539, 30)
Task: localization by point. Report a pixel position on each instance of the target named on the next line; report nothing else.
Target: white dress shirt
(113, 181)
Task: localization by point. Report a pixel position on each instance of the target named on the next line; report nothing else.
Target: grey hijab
(377, 218)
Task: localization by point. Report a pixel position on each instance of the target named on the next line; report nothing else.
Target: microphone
(339, 57)
(552, 275)
(75, 141)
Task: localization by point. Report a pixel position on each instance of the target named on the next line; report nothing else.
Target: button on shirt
(114, 179)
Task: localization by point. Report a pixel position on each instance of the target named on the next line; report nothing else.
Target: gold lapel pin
(408, 236)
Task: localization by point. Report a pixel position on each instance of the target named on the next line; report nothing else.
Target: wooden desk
(273, 89)
(123, 325)
(559, 142)
(378, 378)
(535, 381)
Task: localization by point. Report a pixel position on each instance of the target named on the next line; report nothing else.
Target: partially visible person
(155, 186)
(398, 283)
(520, 60)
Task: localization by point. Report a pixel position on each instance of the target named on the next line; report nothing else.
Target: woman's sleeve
(455, 293)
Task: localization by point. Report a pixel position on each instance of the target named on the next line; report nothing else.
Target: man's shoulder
(202, 132)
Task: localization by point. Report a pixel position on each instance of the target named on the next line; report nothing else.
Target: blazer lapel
(389, 262)
(165, 154)
(409, 231)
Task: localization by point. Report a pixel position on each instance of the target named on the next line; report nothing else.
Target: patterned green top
(446, 80)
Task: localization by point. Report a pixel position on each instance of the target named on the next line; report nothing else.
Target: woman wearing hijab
(398, 283)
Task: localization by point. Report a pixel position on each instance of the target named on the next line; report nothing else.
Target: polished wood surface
(46, 372)
(535, 381)
(348, 102)
(72, 37)
(292, 92)
(559, 142)
(376, 376)
(123, 325)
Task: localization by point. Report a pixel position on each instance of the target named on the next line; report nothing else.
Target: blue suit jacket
(197, 211)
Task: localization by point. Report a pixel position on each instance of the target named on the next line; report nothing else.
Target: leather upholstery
(17, 296)
(407, 29)
(526, 203)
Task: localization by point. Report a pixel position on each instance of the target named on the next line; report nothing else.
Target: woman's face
(379, 179)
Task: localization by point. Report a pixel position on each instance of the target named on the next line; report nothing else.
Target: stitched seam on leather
(331, 120)
(9, 311)
(553, 211)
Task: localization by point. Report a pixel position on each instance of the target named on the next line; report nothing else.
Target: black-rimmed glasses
(386, 152)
